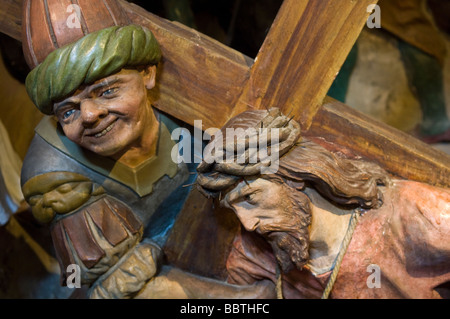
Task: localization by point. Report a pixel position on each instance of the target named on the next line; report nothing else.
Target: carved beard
(289, 249)
(290, 246)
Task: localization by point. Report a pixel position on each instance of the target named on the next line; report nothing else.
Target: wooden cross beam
(202, 79)
(302, 54)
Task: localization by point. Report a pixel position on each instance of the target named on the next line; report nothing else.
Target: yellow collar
(140, 179)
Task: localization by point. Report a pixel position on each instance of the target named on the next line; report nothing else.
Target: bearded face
(278, 213)
(274, 206)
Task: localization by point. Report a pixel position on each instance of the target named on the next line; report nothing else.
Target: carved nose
(49, 199)
(250, 223)
(91, 112)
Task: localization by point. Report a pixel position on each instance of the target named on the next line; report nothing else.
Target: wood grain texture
(17, 112)
(302, 55)
(11, 18)
(201, 238)
(199, 78)
(410, 21)
(397, 152)
(45, 23)
(202, 79)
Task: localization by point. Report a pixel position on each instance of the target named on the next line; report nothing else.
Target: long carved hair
(301, 162)
(341, 180)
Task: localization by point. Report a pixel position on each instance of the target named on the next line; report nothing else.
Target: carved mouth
(106, 130)
(100, 132)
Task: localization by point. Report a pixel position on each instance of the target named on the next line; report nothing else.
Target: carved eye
(250, 198)
(109, 92)
(68, 113)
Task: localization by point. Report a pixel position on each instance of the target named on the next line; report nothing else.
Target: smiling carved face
(113, 115)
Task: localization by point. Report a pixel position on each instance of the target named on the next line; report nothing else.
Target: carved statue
(322, 223)
(99, 166)
(99, 170)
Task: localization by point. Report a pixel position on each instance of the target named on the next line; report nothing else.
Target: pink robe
(407, 239)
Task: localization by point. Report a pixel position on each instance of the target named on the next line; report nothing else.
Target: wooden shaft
(302, 55)
(397, 152)
(202, 79)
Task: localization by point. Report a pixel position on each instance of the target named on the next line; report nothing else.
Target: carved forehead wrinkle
(87, 89)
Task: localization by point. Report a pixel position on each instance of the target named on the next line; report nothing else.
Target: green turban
(95, 56)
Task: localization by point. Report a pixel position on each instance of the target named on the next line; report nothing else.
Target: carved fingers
(236, 152)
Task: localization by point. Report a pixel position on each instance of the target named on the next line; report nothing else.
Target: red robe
(407, 239)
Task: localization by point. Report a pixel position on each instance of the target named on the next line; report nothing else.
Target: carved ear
(149, 75)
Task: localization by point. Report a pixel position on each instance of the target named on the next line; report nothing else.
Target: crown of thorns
(227, 161)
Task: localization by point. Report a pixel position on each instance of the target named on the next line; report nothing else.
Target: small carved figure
(98, 173)
(322, 222)
(100, 167)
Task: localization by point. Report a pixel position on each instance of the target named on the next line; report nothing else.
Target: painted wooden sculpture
(95, 199)
(99, 171)
(322, 223)
(225, 72)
